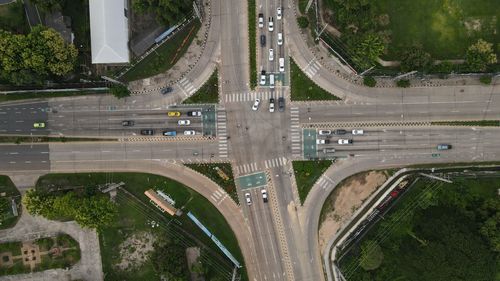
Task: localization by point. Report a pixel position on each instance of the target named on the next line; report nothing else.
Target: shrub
(369, 81)
(303, 22)
(486, 79)
(119, 91)
(403, 83)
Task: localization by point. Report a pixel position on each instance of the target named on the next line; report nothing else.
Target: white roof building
(109, 31)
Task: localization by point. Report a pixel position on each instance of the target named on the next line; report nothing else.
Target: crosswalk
(186, 86)
(295, 132)
(325, 182)
(222, 132)
(246, 168)
(250, 96)
(276, 162)
(218, 196)
(312, 68)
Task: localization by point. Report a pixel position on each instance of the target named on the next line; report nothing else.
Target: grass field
(307, 173)
(445, 28)
(210, 171)
(208, 93)
(303, 88)
(13, 19)
(163, 58)
(134, 217)
(7, 218)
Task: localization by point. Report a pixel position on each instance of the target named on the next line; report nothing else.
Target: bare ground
(345, 200)
(135, 250)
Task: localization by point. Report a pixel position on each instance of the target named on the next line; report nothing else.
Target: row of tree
(167, 12)
(32, 58)
(91, 211)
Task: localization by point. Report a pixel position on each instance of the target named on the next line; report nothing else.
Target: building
(109, 31)
(159, 202)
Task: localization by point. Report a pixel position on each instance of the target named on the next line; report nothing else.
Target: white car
(358, 132)
(183, 122)
(324, 132)
(261, 20)
(271, 105)
(280, 39)
(256, 104)
(270, 25)
(282, 64)
(263, 77)
(264, 195)
(271, 54)
(344, 141)
(248, 199)
(320, 141)
(189, 133)
(278, 13)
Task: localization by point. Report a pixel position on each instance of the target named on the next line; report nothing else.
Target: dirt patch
(134, 251)
(345, 200)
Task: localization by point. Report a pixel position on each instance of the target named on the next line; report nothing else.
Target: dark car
(443, 146)
(281, 104)
(194, 113)
(263, 40)
(167, 90)
(340, 132)
(127, 123)
(147, 132)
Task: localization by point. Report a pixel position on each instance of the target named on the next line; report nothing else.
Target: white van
(280, 39)
(271, 81)
(282, 64)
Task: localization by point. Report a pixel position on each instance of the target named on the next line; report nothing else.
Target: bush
(303, 22)
(485, 79)
(403, 83)
(45, 243)
(119, 91)
(369, 81)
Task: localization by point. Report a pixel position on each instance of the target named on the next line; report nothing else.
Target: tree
(170, 259)
(168, 12)
(48, 5)
(415, 58)
(36, 202)
(119, 91)
(371, 255)
(366, 48)
(479, 55)
(96, 212)
(403, 83)
(369, 81)
(303, 22)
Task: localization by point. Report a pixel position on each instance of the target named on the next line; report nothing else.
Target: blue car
(170, 133)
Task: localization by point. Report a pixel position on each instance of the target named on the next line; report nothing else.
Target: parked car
(184, 122)
(324, 132)
(357, 132)
(248, 199)
(39, 125)
(271, 105)
(127, 123)
(263, 77)
(147, 132)
(174, 114)
(189, 133)
(261, 20)
(322, 141)
(281, 104)
(170, 133)
(344, 141)
(271, 24)
(194, 113)
(264, 195)
(167, 90)
(444, 146)
(278, 13)
(263, 40)
(255, 105)
(340, 132)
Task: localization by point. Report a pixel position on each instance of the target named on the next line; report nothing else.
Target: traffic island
(221, 174)
(306, 175)
(304, 89)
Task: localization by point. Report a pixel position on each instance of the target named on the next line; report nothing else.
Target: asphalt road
(24, 157)
(19, 117)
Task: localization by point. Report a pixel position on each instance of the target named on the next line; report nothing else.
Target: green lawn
(307, 173)
(11, 192)
(13, 18)
(210, 171)
(445, 28)
(208, 93)
(134, 216)
(303, 88)
(163, 58)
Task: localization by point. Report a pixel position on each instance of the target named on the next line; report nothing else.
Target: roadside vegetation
(61, 251)
(304, 89)
(167, 13)
(13, 18)
(479, 123)
(306, 175)
(41, 95)
(208, 93)
(9, 194)
(438, 231)
(252, 41)
(143, 243)
(165, 56)
(221, 174)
